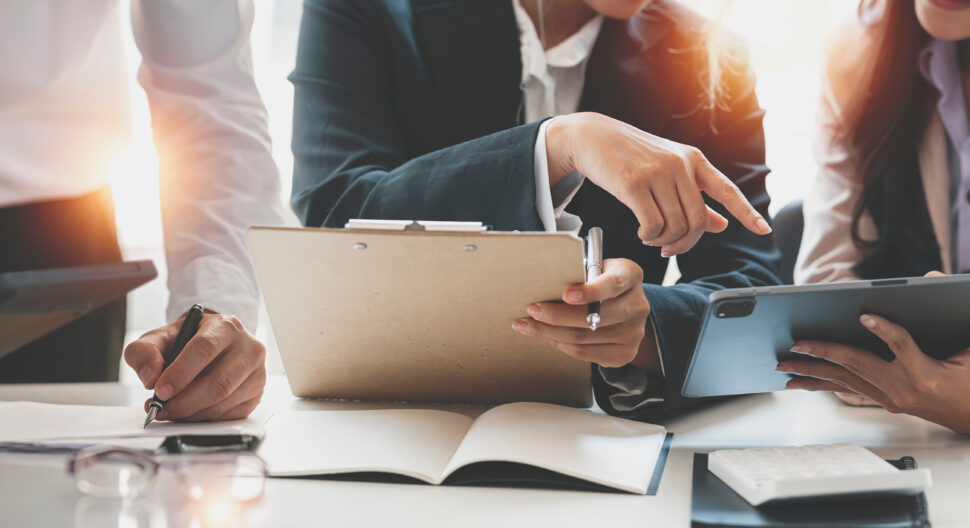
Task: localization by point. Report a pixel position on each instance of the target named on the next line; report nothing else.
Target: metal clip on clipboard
(417, 225)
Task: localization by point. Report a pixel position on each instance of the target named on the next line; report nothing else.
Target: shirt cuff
(551, 203)
(218, 286)
(636, 388)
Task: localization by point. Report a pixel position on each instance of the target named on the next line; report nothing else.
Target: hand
(624, 311)
(659, 180)
(219, 375)
(913, 383)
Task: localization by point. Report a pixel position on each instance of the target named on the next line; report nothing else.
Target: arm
(828, 252)
(735, 258)
(217, 177)
(351, 159)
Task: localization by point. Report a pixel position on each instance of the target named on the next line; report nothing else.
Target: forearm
(217, 176)
(489, 179)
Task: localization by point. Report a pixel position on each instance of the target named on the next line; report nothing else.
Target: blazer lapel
(471, 48)
(936, 186)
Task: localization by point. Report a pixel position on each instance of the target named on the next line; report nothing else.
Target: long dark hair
(886, 117)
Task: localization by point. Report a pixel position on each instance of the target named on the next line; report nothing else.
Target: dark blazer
(412, 110)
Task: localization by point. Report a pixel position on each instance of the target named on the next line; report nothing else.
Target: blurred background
(785, 39)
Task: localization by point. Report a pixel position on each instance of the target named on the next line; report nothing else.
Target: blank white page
(32, 421)
(602, 449)
(411, 442)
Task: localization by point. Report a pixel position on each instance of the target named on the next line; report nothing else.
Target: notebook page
(602, 449)
(412, 442)
(36, 422)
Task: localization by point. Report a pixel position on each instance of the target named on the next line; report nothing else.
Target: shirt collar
(938, 63)
(569, 53)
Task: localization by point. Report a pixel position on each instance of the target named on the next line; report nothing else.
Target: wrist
(648, 354)
(558, 148)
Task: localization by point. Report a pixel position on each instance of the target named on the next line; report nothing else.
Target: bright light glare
(786, 40)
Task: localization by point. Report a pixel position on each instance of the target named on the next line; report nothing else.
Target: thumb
(935, 274)
(716, 223)
(147, 354)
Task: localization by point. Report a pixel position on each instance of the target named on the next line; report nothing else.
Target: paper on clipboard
(418, 315)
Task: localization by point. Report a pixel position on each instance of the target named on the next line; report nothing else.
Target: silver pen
(594, 267)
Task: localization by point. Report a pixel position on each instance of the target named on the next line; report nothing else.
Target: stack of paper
(42, 424)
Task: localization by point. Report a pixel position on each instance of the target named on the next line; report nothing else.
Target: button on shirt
(64, 120)
(552, 85)
(940, 65)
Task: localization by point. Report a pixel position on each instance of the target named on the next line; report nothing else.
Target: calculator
(765, 474)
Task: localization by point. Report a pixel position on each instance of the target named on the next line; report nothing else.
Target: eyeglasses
(117, 473)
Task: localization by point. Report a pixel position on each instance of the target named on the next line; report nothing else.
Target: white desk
(35, 491)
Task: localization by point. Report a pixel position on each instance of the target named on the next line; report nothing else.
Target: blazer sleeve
(351, 159)
(735, 258)
(828, 252)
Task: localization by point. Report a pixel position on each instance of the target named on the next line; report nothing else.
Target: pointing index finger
(724, 191)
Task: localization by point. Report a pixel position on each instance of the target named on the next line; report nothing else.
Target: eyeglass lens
(114, 474)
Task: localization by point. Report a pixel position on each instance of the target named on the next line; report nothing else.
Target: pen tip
(152, 412)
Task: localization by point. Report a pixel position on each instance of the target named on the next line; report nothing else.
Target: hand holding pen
(622, 309)
(218, 375)
(190, 325)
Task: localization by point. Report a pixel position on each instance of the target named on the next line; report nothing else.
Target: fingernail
(801, 349)
(665, 254)
(781, 368)
(165, 391)
(521, 326)
(534, 310)
(763, 225)
(868, 321)
(574, 296)
(145, 374)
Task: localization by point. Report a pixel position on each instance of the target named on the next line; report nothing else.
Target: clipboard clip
(417, 225)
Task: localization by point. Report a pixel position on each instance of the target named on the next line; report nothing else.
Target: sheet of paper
(32, 421)
(412, 442)
(599, 448)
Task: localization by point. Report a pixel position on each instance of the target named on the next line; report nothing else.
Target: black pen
(594, 267)
(190, 325)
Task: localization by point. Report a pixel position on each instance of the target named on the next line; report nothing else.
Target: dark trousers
(55, 234)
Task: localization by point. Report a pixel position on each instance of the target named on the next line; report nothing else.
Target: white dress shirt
(64, 117)
(552, 85)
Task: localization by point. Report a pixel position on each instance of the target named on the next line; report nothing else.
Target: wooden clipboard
(418, 315)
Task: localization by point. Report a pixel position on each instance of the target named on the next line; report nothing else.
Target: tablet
(33, 303)
(745, 332)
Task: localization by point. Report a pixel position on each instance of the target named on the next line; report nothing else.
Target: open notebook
(514, 444)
